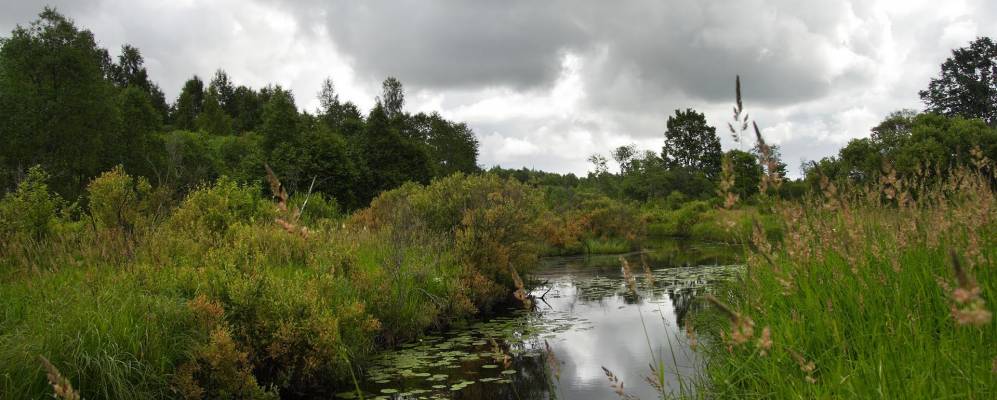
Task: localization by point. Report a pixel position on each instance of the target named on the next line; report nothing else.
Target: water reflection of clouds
(589, 318)
(613, 338)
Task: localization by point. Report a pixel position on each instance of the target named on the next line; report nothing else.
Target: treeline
(909, 144)
(957, 128)
(67, 106)
(688, 168)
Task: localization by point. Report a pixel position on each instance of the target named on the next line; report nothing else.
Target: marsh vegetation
(227, 245)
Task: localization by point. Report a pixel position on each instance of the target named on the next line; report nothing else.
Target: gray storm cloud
(544, 84)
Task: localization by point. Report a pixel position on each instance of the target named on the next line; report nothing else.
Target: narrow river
(589, 318)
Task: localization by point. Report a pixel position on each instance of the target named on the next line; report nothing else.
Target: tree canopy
(691, 143)
(967, 86)
(65, 105)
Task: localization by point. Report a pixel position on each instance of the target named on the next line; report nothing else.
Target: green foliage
(392, 97)
(210, 210)
(130, 72)
(326, 159)
(118, 200)
(691, 143)
(279, 124)
(967, 85)
(106, 331)
(452, 146)
(140, 120)
(747, 173)
(187, 160)
(317, 207)
(213, 118)
(66, 106)
(921, 146)
(188, 105)
(493, 223)
(391, 159)
(56, 107)
(31, 210)
(218, 301)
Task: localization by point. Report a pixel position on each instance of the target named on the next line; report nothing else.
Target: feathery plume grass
(740, 117)
(628, 277)
(968, 308)
(617, 385)
(62, 388)
(808, 367)
(552, 362)
(742, 327)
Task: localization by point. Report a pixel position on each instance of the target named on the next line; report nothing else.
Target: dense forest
(227, 244)
(68, 107)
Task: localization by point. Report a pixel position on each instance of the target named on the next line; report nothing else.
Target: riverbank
(232, 295)
(705, 222)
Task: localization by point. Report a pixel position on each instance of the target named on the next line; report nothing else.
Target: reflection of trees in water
(679, 253)
(684, 302)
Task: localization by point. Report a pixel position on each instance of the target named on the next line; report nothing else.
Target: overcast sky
(544, 84)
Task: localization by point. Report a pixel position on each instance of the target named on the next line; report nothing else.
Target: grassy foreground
(232, 295)
(884, 293)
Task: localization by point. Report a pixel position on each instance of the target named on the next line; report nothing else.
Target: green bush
(492, 222)
(318, 207)
(210, 210)
(31, 211)
(119, 201)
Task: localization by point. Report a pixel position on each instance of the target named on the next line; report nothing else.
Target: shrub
(118, 201)
(31, 210)
(493, 223)
(318, 207)
(211, 209)
(592, 223)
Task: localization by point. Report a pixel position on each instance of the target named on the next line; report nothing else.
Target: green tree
(213, 118)
(747, 173)
(189, 104)
(31, 209)
(279, 123)
(775, 153)
(140, 121)
(392, 97)
(861, 160)
(452, 147)
(324, 158)
(388, 158)
(691, 143)
(56, 107)
(624, 156)
(331, 108)
(894, 131)
(130, 72)
(967, 85)
(247, 109)
(944, 143)
(343, 117)
(224, 91)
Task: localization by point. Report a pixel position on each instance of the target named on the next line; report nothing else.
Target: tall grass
(883, 292)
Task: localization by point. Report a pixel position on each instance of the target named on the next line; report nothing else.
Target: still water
(588, 318)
